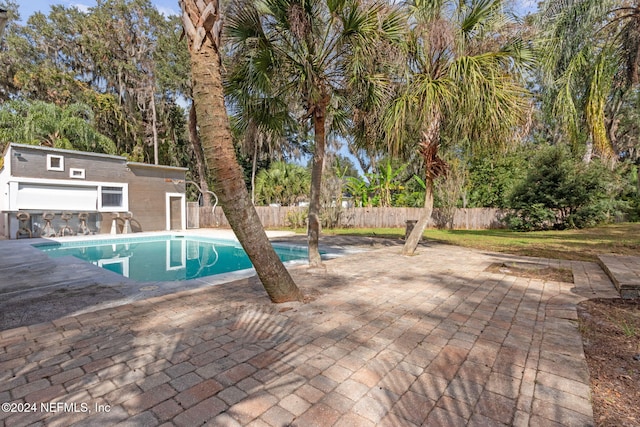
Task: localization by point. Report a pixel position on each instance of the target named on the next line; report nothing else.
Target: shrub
(297, 218)
(492, 178)
(560, 192)
(532, 217)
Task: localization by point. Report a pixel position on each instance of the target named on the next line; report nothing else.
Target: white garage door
(57, 197)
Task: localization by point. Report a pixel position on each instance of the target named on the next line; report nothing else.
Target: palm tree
(461, 83)
(309, 53)
(284, 183)
(384, 181)
(261, 122)
(202, 23)
(41, 123)
(590, 57)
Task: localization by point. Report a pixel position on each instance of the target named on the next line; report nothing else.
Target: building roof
(61, 150)
(89, 154)
(148, 165)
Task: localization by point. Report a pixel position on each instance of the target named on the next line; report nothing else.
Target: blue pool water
(164, 258)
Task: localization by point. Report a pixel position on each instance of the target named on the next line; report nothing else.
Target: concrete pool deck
(431, 339)
(72, 286)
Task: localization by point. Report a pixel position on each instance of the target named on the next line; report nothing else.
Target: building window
(76, 173)
(112, 197)
(55, 163)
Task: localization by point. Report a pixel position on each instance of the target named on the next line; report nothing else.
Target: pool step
(624, 272)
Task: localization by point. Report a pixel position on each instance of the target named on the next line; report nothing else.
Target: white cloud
(81, 7)
(166, 11)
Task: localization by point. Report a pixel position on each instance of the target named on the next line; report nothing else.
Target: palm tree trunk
(434, 167)
(254, 167)
(425, 215)
(219, 153)
(313, 227)
(200, 160)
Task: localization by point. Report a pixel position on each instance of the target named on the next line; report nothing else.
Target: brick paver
(624, 271)
(431, 339)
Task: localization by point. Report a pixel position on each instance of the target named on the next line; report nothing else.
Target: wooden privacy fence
(193, 215)
(284, 216)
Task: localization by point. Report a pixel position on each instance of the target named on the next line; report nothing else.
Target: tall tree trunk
(434, 167)
(425, 215)
(254, 166)
(203, 33)
(313, 227)
(154, 125)
(588, 151)
(3, 20)
(200, 160)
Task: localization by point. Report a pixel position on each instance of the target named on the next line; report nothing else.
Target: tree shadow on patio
(372, 347)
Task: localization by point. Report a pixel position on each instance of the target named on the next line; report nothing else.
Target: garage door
(57, 197)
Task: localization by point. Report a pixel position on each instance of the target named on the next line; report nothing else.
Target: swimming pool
(164, 258)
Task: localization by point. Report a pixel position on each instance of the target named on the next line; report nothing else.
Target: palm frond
(465, 72)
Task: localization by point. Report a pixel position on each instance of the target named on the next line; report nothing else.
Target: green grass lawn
(581, 245)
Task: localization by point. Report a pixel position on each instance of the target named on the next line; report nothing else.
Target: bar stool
(114, 222)
(24, 229)
(128, 216)
(48, 230)
(82, 228)
(66, 216)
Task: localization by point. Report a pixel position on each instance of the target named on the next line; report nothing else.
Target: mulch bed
(611, 334)
(532, 271)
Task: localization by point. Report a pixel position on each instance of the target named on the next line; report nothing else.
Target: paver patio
(386, 340)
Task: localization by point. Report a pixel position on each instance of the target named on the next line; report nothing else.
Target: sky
(27, 8)
(170, 7)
